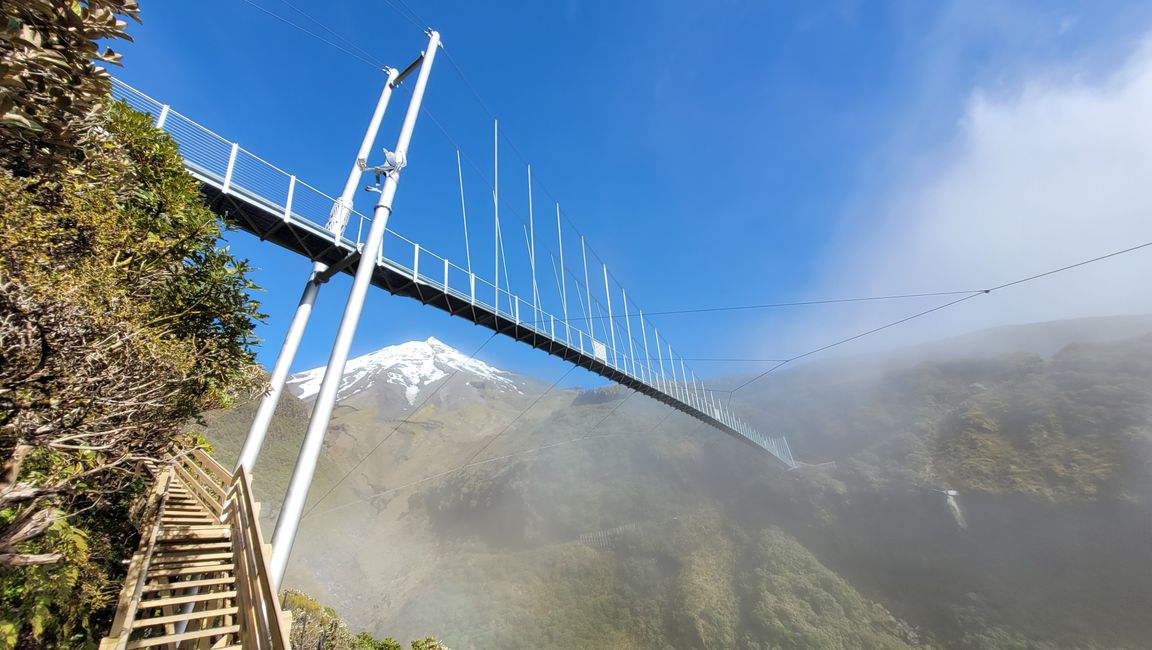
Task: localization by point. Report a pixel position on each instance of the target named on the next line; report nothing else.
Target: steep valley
(600, 519)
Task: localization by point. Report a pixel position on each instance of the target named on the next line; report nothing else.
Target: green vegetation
(707, 547)
(499, 564)
(692, 582)
(1050, 456)
(315, 626)
(1072, 427)
(120, 318)
(51, 91)
(798, 603)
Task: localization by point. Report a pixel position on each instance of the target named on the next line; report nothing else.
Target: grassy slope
(491, 557)
(1050, 456)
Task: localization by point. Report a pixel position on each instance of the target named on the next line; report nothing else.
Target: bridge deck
(254, 215)
(275, 206)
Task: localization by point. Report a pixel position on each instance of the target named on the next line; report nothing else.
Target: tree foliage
(315, 627)
(50, 85)
(121, 318)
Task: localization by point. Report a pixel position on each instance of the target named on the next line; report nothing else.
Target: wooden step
(191, 570)
(190, 512)
(187, 521)
(185, 558)
(142, 623)
(204, 565)
(215, 526)
(207, 546)
(195, 532)
(182, 548)
(193, 518)
(212, 546)
(155, 603)
(188, 584)
(191, 557)
(193, 566)
(187, 636)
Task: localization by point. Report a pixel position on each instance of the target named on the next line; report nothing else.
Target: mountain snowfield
(413, 365)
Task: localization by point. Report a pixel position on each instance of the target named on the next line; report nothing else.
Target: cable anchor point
(393, 163)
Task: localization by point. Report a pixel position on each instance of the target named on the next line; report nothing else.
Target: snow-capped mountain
(413, 366)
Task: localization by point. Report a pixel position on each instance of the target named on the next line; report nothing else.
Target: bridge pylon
(337, 222)
(387, 176)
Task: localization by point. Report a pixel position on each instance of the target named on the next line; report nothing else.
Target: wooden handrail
(137, 567)
(266, 614)
(223, 476)
(257, 619)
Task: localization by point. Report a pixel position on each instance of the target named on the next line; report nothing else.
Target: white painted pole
(532, 253)
(611, 324)
(684, 377)
(464, 212)
(588, 290)
(563, 276)
(513, 300)
(163, 117)
(647, 356)
(289, 521)
(336, 224)
(339, 217)
(660, 358)
(226, 186)
(628, 329)
(496, 207)
(259, 429)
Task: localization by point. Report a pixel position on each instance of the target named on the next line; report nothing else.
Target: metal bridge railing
(239, 172)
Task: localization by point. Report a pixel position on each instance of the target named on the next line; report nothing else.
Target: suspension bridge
(576, 318)
(276, 206)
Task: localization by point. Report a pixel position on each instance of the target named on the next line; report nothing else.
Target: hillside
(1049, 457)
(599, 523)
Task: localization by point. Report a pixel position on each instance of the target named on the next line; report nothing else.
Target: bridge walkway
(276, 206)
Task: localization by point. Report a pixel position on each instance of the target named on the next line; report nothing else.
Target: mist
(1037, 174)
(985, 492)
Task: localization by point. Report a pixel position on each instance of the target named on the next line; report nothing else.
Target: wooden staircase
(199, 579)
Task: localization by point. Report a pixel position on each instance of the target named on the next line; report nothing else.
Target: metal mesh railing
(241, 173)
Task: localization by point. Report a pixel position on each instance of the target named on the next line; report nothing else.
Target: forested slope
(602, 524)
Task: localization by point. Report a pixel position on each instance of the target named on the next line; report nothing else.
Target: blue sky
(713, 154)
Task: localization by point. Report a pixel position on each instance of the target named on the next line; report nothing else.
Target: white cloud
(1050, 173)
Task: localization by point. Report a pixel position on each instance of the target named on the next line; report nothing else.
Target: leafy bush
(121, 318)
(317, 627)
(51, 88)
